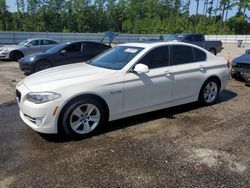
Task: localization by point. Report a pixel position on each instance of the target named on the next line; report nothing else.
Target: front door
(149, 89)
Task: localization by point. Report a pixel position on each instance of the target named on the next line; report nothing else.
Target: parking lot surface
(184, 146)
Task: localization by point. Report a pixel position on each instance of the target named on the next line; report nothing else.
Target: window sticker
(131, 50)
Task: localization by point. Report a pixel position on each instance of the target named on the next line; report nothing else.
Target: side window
(35, 43)
(103, 47)
(199, 55)
(52, 42)
(182, 54)
(156, 58)
(47, 42)
(199, 38)
(189, 38)
(74, 47)
(92, 48)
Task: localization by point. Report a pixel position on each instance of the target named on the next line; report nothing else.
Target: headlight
(3, 50)
(31, 58)
(42, 97)
(234, 64)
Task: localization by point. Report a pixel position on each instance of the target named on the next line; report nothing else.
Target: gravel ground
(185, 146)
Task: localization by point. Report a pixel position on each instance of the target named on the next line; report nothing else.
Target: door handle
(168, 73)
(202, 68)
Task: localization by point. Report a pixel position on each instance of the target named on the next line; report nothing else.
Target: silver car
(26, 47)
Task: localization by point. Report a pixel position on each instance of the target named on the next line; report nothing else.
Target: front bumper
(4, 55)
(40, 117)
(240, 70)
(26, 68)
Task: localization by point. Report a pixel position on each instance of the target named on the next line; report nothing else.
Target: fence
(15, 37)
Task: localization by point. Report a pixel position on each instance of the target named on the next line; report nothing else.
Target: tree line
(127, 16)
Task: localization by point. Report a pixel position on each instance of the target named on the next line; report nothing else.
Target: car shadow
(168, 113)
(7, 60)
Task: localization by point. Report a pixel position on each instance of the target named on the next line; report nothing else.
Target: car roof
(30, 39)
(155, 44)
(72, 42)
(186, 34)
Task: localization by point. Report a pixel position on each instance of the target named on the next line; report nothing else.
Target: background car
(24, 48)
(66, 53)
(241, 67)
(198, 39)
(127, 80)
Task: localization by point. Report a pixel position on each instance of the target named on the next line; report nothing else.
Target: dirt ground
(10, 74)
(184, 146)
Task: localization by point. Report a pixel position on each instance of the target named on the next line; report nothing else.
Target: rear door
(46, 44)
(188, 71)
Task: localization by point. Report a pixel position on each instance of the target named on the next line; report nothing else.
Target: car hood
(35, 55)
(66, 75)
(10, 47)
(245, 58)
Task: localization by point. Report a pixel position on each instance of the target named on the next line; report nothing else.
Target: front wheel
(83, 117)
(246, 77)
(42, 65)
(16, 55)
(209, 92)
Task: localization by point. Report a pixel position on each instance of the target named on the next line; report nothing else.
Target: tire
(16, 55)
(246, 78)
(83, 117)
(235, 75)
(209, 92)
(41, 65)
(213, 51)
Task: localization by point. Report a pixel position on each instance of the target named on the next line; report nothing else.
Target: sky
(12, 7)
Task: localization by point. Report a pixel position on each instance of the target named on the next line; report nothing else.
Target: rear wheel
(209, 92)
(83, 117)
(16, 55)
(42, 65)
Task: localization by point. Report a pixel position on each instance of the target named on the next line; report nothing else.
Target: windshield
(173, 37)
(23, 42)
(116, 58)
(56, 48)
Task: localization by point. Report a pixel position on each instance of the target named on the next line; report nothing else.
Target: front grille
(18, 95)
(31, 119)
(244, 65)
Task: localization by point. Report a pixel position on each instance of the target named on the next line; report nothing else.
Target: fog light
(39, 121)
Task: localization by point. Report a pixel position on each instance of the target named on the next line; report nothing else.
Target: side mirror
(28, 45)
(248, 51)
(141, 68)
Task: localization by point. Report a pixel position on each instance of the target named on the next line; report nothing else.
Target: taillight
(228, 62)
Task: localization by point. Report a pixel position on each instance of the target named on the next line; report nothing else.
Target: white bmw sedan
(127, 80)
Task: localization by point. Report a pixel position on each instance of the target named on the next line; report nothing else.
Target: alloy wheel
(85, 118)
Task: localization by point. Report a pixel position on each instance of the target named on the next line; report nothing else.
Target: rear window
(182, 54)
(199, 55)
